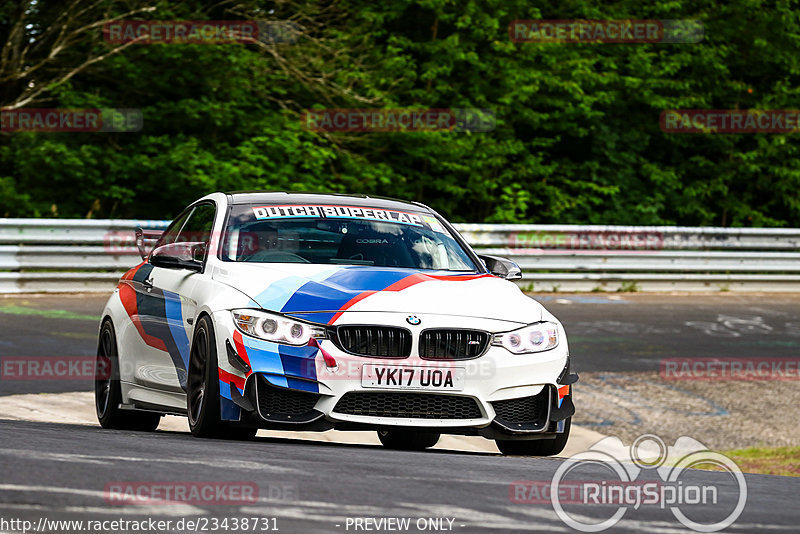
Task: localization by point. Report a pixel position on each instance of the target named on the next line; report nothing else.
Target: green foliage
(628, 286)
(577, 138)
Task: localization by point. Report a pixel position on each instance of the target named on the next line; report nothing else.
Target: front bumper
(502, 395)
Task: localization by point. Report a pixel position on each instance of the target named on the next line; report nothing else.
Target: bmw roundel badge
(413, 319)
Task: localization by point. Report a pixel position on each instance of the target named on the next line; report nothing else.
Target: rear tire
(107, 391)
(408, 440)
(202, 389)
(536, 447)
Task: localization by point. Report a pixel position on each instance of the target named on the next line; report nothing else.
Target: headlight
(276, 328)
(536, 337)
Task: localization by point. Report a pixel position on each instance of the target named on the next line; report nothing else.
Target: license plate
(407, 377)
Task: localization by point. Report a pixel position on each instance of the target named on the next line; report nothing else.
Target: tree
(577, 138)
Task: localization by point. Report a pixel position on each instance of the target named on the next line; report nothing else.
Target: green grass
(767, 460)
(60, 314)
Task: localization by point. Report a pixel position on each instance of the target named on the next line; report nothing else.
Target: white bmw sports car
(299, 311)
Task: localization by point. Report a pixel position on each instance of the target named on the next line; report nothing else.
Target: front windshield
(340, 235)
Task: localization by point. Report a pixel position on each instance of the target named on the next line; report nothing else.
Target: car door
(173, 306)
(142, 340)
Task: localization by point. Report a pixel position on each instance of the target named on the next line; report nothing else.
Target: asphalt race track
(60, 472)
(54, 471)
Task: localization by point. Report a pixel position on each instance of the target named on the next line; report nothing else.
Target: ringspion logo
(646, 474)
(584, 491)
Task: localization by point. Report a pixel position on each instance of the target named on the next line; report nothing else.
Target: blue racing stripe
(275, 296)
(224, 389)
(280, 364)
(275, 380)
(302, 385)
(314, 317)
(263, 355)
(340, 288)
(300, 362)
(172, 307)
(228, 410)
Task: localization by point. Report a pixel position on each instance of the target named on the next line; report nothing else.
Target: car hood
(322, 292)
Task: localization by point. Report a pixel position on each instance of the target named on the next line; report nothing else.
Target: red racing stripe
(459, 278)
(227, 377)
(351, 302)
(563, 391)
(241, 350)
(128, 297)
(405, 283)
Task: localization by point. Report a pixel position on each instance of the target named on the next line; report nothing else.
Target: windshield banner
(335, 212)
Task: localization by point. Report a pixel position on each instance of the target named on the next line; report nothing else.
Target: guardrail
(67, 255)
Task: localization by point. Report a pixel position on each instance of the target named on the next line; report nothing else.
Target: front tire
(536, 447)
(202, 383)
(408, 440)
(202, 389)
(107, 391)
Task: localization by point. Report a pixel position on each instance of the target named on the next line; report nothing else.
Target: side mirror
(145, 240)
(188, 255)
(502, 267)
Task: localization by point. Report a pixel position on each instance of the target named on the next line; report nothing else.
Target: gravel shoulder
(722, 415)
